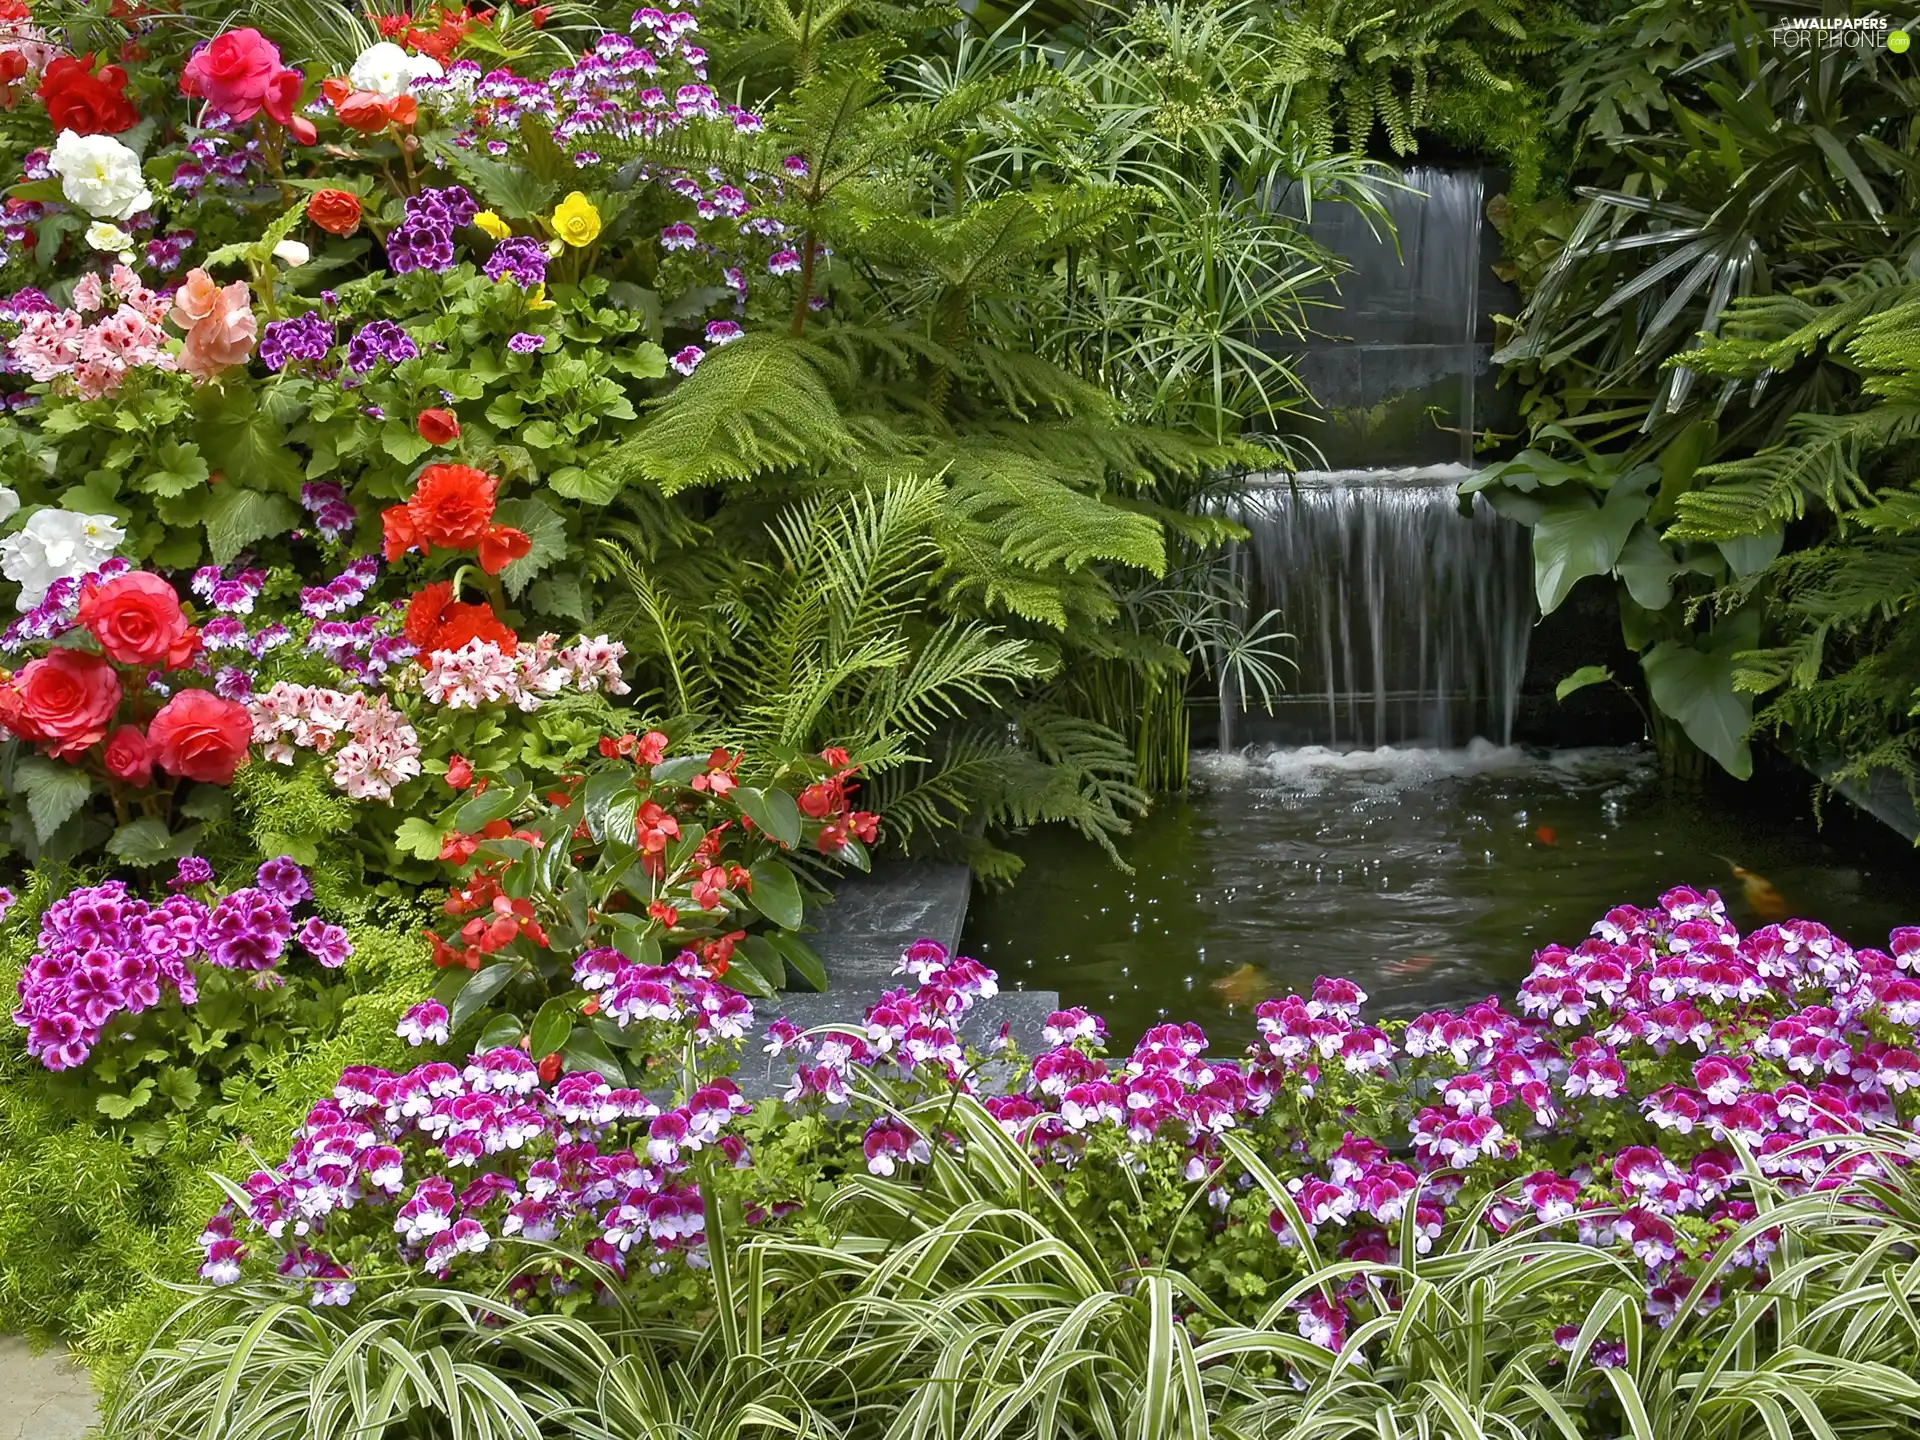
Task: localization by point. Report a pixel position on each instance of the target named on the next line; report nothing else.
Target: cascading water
(1410, 619)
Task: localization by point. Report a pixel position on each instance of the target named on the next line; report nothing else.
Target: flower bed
(1648, 1080)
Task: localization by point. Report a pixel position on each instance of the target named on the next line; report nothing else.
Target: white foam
(1314, 769)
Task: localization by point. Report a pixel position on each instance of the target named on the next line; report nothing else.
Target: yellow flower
(493, 224)
(537, 298)
(576, 221)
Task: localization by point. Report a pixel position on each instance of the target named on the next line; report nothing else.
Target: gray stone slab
(48, 1396)
(899, 901)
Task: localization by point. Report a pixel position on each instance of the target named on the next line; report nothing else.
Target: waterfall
(1410, 619)
(1398, 369)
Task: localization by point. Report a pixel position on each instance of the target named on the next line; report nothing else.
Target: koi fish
(1544, 834)
(1412, 965)
(1760, 893)
(1244, 986)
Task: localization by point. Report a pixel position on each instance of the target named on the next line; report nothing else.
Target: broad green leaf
(1576, 538)
(1695, 687)
(551, 1027)
(590, 487)
(1647, 568)
(501, 1031)
(481, 987)
(1679, 462)
(605, 790)
(147, 841)
(544, 527)
(773, 811)
(55, 792)
(237, 517)
(756, 968)
(1750, 554)
(496, 804)
(776, 895)
(587, 1051)
(176, 469)
(802, 960)
(418, 838)
(1580, 679)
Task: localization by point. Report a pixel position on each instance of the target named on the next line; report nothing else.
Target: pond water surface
(1429, 876)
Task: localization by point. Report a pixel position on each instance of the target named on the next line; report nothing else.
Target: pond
(1429, 876)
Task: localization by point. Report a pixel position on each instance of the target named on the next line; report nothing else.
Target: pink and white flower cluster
(442, 1163)
(481, 673)
(380, 749)
(96, 355)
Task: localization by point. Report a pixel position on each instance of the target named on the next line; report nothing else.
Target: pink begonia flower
(219, 322)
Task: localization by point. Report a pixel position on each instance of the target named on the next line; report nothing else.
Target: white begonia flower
(9, 504)
(105, 235)
(56, 545)
(100, 175)
(389, 72)
(292, 254)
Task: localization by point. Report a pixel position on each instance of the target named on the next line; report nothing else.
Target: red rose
(138, 621)
(335, 211)
(83, 102)
(199, 736)
(64, 701)
(128, 757)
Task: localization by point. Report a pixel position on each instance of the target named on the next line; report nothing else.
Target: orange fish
(1244, 986)
(1544, 834)
(1412, 965)
(1761, 896)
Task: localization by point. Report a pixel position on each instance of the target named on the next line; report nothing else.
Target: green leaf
(418, 838)
(802, 960)
(776, 894)
(238, 517)
(1679, 463)
(773, 811)
(1580, 679)
(481, 987)
(496, 804)
(544, 527)
(1695, 687)
(1648, 568)
(638, 946)
(55, 792)
(590, 487)
(206, 802)
(757, 968)
(176, 469)
(551, 1027)
(502, 1030)
(606, 789)
(587, 1051)
(179, 1085)
(119, 1107)
(1576, 538)
(147, 841)
(1750, 554)
(679, 770)
(402, 442)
